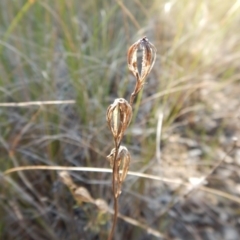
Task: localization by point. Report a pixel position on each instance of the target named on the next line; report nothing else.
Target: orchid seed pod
(101, 205)
(111, 157)
(146, 65)
(118, 117)
(125, 157)
(148, 58)
(66, 179)
(121, 166)
(81, 194)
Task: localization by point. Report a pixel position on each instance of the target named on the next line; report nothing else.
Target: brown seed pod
(121, 167)
(101, 205)
(125, 157)
(148, 60)
(81, 194)
(118, 117)
(66, 179)
(132, 59)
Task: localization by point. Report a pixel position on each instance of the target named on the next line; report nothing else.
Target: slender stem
(133, 95)
(15, 22)
(115, 196)
(115, 216)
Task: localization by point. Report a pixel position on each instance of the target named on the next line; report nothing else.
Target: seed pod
(81, 194)
(120, 170)
(101, 205)
(111, 157)
(66, 179)
(125, 157)
(148, 60)
(118, 117)
(132, 59)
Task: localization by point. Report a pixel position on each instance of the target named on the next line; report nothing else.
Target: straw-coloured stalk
(122, 162)
(103, 209)
(148, 52)
(118, 117)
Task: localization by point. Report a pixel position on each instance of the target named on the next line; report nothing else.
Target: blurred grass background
(61, 50)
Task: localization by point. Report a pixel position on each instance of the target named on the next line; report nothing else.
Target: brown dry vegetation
(75, 50)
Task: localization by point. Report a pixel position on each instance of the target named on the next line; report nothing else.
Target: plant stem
(115, 172)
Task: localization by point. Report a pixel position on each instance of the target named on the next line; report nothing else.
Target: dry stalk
(136, 174)
(119, 115)
(81, 194)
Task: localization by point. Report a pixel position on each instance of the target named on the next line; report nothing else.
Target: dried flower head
(118, 117)
(148, 58)
(141, 69)
(122, 162)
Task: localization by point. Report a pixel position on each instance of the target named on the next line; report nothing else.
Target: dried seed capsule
(132, 59)
(111, 157)
(125, 157)
(120, 169)
(101, 205)
(66, 179)
(148, 60)
(81, 194)
(118, 117)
